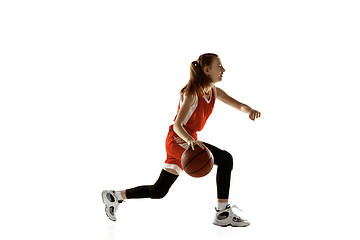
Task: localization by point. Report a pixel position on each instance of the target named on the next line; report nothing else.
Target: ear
(206, 70)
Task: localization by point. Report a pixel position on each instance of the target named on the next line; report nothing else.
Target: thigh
(172, 171)
(222, 158)
(216, 152)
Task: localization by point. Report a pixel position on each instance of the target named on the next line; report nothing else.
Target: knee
(157, 192)
(162, 185)
(226, 161)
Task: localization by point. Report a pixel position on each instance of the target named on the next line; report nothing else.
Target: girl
(197, 100)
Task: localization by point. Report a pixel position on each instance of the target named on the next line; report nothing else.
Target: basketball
(197, 163)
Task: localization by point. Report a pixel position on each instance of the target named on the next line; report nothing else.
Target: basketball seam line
(202, 166)
(193, 159)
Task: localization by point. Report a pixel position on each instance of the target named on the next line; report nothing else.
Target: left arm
(222, 96)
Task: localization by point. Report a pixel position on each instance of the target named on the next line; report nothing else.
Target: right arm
(180, 118)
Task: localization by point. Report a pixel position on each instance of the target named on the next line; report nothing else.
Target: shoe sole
(230, 225)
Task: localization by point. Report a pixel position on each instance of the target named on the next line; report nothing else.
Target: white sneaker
(111, 203)
(226, 217)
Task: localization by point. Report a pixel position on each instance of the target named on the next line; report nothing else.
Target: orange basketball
(197, 163)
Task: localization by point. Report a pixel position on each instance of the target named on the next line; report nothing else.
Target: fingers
(258, 114)
(254, 114)
(192, 145)
(200, 144)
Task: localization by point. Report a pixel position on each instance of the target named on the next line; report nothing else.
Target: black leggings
(222, 159)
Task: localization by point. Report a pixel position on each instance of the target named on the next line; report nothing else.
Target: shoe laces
(236, 216)
(235, 206)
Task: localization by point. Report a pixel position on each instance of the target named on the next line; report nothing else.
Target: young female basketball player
(197, 101)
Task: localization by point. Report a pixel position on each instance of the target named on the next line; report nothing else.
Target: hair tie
(195, 63)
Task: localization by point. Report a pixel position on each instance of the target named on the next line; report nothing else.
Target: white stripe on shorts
(174, 167)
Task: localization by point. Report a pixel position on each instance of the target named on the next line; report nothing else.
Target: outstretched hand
(254, 114)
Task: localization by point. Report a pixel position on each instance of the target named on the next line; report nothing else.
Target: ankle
(123, 194)
(222, 205)
(120, 195)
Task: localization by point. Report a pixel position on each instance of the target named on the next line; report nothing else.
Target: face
(215, 72)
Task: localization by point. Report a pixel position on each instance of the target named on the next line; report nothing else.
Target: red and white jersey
(195, 121)
(199, 112)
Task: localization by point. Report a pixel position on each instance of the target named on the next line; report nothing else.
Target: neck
(208, 90)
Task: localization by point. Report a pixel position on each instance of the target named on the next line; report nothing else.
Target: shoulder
(223, 96)
(188, 99)
(219, 92)
(215, 92)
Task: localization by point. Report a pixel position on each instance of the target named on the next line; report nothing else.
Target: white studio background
(89, 88)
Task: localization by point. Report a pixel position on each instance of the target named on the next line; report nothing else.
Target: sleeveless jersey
(199, 112)
(195, 121)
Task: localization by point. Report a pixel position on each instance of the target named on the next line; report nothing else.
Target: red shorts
(175, 147)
